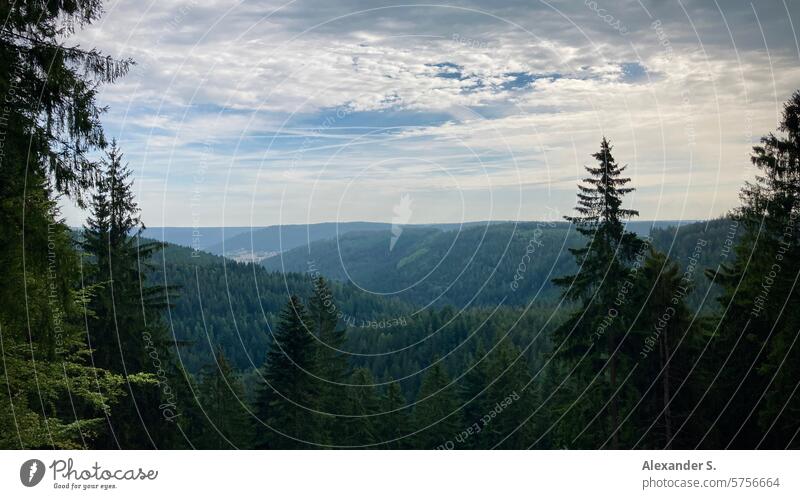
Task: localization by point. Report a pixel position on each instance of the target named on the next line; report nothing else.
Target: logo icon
(31, 472)
(402, 215)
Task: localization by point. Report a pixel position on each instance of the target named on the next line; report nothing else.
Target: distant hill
(473, 266)
(200, 238)
(234, 305)
(259, 243)
(220, 303)
(480, 265)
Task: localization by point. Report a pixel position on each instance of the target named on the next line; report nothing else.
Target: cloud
(486, 96)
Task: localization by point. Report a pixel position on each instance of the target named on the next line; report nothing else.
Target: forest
(573, 333)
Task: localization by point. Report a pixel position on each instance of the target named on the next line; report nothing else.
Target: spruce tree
(436, 416)
(603, 263)
(290, 392)
(756, 354)
(393, 425)
(222, 401)
(666, 341)
(125, 329)
(333, 368)
(363, 404)
(505, 423)
(127, 304)
(473, 388)
(50, 127)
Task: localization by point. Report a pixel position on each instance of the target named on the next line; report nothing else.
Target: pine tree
(436, 416)
(601, 219)
(118, 262)
(50, 126)
(333, 368)
(505, 422)
(603, 264)
(474, 385)
(362, 402)
(222, 401)
(756, 354)
(290, 392)
(125, 331)
(666, 341)
(393, 425)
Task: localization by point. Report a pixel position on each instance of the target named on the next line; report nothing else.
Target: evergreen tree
(474, 385)
(505, 422)
(666, 342)
(290, 392)
(363, 403)
(125, 330)
(223, 404)
(333, 368)
(118, 265)
(600, 286)
(436, 416)
(393, 425)
(50, 125)
(756, 355)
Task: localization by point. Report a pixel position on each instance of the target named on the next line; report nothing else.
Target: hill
(483, 265)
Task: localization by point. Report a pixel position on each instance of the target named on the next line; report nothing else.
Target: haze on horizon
(283, 113)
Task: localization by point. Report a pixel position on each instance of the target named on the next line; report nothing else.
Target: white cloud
(499, 95)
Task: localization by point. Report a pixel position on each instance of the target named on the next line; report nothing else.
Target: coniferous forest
(575, 332)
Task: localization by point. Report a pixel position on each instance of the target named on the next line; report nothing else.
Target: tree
(223, 404)
(436, 416)
(333, 368)
(50, 125)
(393, 425)
(756, 353)
(118, 265)
(125, 330)
(505, 422)
(289, 391)
(362, 404)
(666, 342)
(600, 285)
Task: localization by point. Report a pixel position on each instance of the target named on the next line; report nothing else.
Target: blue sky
(258, 113)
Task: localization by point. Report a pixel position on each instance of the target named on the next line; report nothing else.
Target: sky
(254, 113)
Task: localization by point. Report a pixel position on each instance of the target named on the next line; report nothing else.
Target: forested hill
(503, 263)
(222, 303)
(219, 303)
(277, 238)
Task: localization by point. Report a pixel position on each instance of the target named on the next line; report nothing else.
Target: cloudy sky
(261, 112)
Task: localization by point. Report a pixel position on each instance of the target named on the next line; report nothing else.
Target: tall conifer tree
(756, 354)
(288, 397)
(50, 125)
(603, 264)
(222, 401)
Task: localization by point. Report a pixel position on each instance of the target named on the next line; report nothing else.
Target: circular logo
(31, 472)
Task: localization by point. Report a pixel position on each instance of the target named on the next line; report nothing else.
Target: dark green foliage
(333, 369)
(591, 337)
(755, 354)
(124, 304)
(666, 342)
(393, 425)
(437, 418)
(478, 352)
(361, 402)
(222, 402)
(506, 262)
(290, 390)
(125, 328)
(49, 124)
